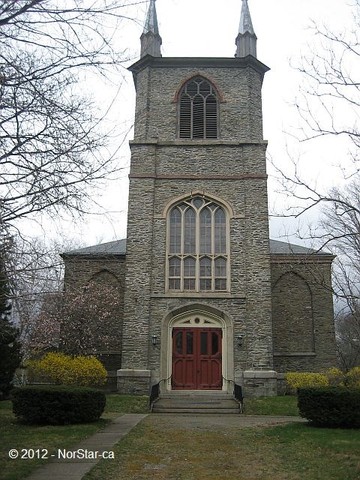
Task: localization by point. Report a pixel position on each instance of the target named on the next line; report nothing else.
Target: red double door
(196, 361)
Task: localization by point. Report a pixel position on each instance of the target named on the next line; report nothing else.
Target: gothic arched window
(198, 110)
(198, 246)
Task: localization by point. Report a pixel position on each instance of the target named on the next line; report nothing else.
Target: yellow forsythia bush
(352, 378)
(297, 380)
(86, 372)
(336, 377)
(63, 369)
(50, 368)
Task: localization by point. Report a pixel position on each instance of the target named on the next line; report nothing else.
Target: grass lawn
(156, 449)
(19, 436)
(160, 450)
(283, 406)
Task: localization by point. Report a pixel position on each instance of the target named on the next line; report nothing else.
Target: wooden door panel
(197, 358)
(183, 374)
(210, 374)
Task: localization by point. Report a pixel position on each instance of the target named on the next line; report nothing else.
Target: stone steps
(197, 403)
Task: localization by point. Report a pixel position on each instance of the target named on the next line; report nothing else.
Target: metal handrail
(155, 391)
(237, 392)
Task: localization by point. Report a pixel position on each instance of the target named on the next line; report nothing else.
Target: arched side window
(198, 247)
(198, 110)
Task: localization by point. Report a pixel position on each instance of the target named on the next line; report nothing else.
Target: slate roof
(118, 247)
(286, 248)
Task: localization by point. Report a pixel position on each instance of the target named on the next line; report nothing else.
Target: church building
(209, 301)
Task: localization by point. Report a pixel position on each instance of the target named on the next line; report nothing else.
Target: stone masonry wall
(230, 170)
(239, 88)
(303, 318)
(79, 270)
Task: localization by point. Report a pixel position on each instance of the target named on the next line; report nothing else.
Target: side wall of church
(302, 313)
(81, 269)
(104, 271)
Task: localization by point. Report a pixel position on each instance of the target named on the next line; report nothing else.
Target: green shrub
(330, 406)
(297, 380)
(57, 405)
(63, 369)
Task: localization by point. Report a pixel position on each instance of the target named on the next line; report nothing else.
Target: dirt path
(213, 422)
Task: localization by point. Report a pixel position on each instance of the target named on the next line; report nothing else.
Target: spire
(246, 39)
(150, 38)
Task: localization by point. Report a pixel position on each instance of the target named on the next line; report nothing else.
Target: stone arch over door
(198, 316)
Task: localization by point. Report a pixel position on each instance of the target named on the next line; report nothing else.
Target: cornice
(198, 62)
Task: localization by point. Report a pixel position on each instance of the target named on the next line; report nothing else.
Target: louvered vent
(198, 110)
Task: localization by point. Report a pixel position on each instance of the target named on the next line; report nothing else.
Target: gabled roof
(118, 247)
(286, 248)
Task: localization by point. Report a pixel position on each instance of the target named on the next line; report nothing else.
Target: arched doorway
(198, 354)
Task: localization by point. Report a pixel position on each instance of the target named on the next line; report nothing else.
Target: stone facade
(231, 169)
(276, 315)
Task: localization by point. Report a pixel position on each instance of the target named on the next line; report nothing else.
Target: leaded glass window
(198, 246)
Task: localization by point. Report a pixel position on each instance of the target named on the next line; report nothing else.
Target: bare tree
(36, 270)
(328, 107)
(340, 224)
(51, 140)
(348, 338)
(54, 148)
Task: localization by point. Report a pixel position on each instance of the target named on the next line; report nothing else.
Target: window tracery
(198, 246)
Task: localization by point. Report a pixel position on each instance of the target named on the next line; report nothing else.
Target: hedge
(57, 405)
(330, 406)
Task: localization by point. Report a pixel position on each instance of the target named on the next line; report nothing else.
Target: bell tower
(198, 240)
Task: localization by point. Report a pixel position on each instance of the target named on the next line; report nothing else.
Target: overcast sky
(208, 28)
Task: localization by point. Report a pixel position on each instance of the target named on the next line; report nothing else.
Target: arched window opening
(292, 314)
(198, 246)
(198, 115)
